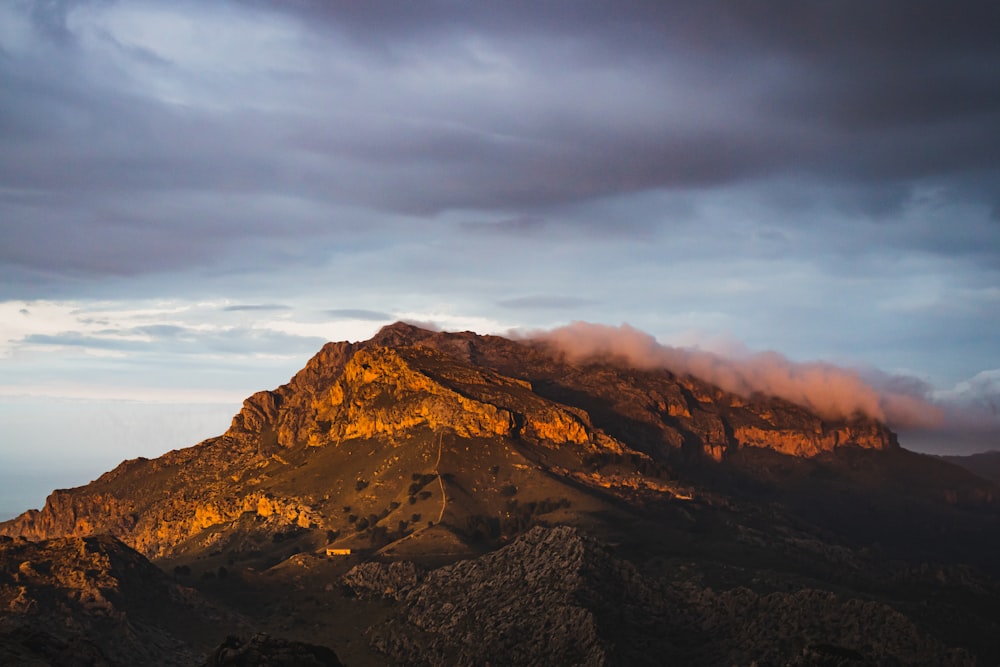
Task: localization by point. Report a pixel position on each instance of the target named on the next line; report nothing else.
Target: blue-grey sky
(195, 195)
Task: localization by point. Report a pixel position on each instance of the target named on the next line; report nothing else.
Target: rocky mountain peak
(499, 413)
(400, 334)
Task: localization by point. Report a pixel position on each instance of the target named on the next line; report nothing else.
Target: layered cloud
(964, 418)
(148, 136)
(829, 390)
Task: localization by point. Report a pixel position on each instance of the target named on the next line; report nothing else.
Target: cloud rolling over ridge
(829, 390)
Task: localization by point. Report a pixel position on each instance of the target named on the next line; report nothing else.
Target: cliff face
(406, 377)
(409, 396)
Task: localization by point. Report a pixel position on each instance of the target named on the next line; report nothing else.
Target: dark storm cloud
(841, 70)
(132, 144)
(518, 226)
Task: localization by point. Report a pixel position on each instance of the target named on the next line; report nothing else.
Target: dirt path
(444, 500)
(437, 471)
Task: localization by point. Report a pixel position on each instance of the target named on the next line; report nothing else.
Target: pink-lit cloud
(829, 390)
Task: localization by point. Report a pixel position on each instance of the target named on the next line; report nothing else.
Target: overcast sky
(195, 195)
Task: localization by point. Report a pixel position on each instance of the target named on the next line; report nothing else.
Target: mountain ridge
(407, 381)
(983, 464)
(388, 485)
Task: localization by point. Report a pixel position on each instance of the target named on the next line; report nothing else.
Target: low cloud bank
(971, 421)
(831, 391)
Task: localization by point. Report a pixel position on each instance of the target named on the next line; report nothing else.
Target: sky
(194, 196)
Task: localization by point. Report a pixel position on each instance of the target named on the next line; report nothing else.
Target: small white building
(337, 551)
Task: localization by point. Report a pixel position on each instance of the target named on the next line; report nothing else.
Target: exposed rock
(558, 597)
(393, 580)
(514, 606)
(259, 412)
(30, 646)
(381, 393)
(92, 601)
(262, 650)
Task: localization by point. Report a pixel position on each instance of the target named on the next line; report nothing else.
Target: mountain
(985, 464)
(379, 413)
(423, 451)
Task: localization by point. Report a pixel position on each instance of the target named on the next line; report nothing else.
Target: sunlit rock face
(401, 395)
(382, 393)
(483, 386)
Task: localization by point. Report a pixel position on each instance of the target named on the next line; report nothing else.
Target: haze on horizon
(195, 196)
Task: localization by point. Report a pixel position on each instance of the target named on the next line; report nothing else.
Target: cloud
(545, 302)
(359, 314)
(519, 226)
(974, 404)
(971, 421)
(147, 330)
(77, 339)
(829, 390)
(255, 307)
(163, 136)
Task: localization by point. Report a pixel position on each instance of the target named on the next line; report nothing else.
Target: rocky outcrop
(286, 416)
(92, 600)
(381, 393)
(262, 649)
(155, 505)
(557, 597)
(822, 438)
(392, 580)
(515, 606)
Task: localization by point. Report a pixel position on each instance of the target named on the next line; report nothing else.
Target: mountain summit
(372, 424)
(414, 471)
